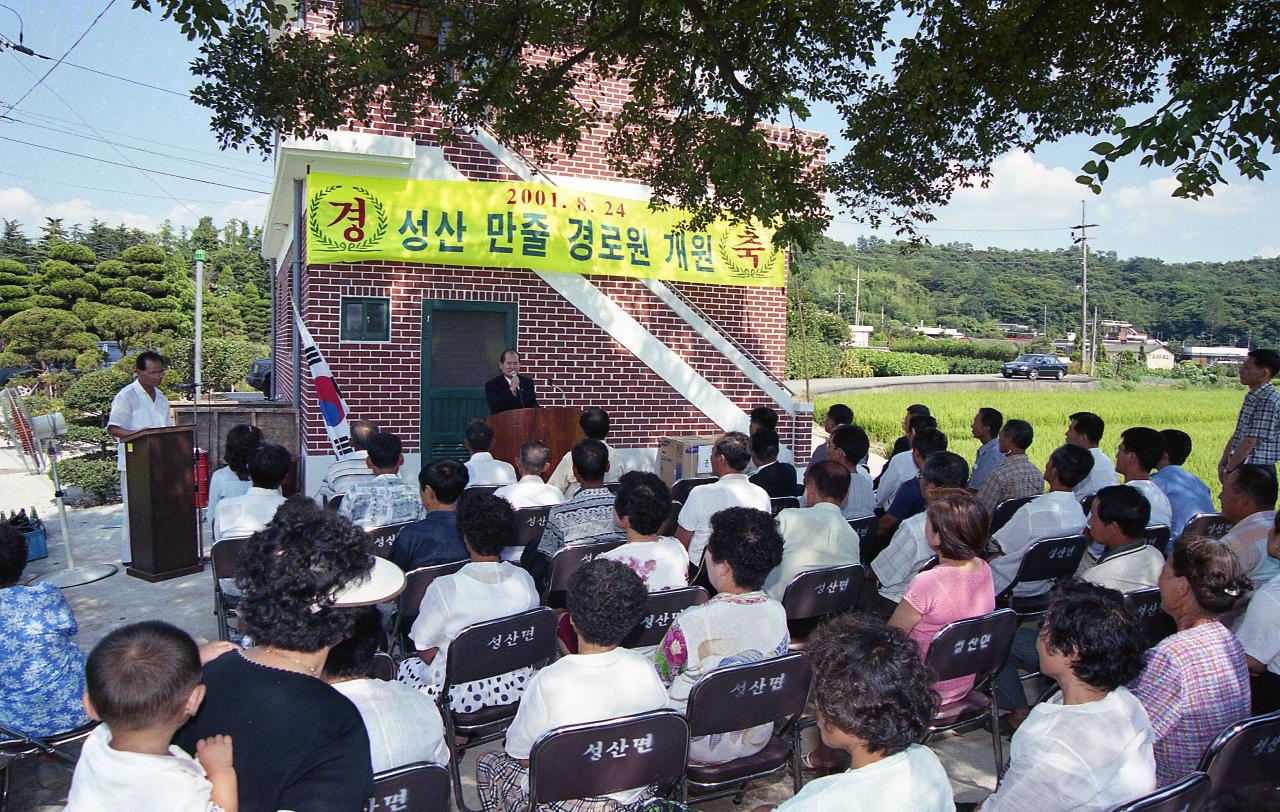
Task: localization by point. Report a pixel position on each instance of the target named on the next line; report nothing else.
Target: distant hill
(973, 289)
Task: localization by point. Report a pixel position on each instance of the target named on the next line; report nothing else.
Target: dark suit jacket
(778, 480)
(498, 392)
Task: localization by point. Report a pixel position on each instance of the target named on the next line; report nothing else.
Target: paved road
(934, 383)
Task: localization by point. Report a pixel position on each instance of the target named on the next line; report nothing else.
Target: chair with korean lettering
(14, 747)
(417, 787)
(1005, 510)
(1209, 525)
(1157, 535)
(1144, 604)
(384, 667)
(590, 760)
(865, 527)
(224, 560)
(1187, 793)
(565, 563)
(1242, 763)
(1045, 560)
(781, 503)
(817, 594)
(1264, 692)
(381, 539)
(410, 600)
(737, 697)
(530, 522)
(660, 612)
(976, 647)
(481, 651)
(680, 495)
(471, 490)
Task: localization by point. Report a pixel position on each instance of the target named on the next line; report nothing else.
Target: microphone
(556, 386)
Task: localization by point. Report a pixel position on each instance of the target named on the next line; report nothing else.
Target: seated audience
(1186, 493)
(352, 468)
(1089, 746)
(1118, 519)
(874, 703)
(817, 535)
(586, 517)
(247, 514)
(595, 425)
(640, 509)
(849, 444)
(143, 684)
(838, 414)
(901, 467)
(908, 551)
(41, 667)
(908, 501)
(602, 681)
(299, 744)
(1015, 476)
(729, 458)
(1085, 430)
(485, 589)
(903, 443)
(1140, 451)
(777, 478)
(232, 479)
(986, 430)
(482, 468)
(1056, 513)
(530, 490)
(403, 725)
(1195, 683)
(1259, 630)
(762, 417)
(956, 528)
(386, 499)
(1249, 499)
(740, 624)
(434, 539)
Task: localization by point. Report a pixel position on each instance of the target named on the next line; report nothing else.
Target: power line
(65, 54)
(105, 189)
(973, 230)
(132, 166)
(22, 49)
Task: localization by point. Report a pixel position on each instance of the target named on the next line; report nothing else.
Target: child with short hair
(143, 683)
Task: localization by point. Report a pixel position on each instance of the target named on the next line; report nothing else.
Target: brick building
(664, 358)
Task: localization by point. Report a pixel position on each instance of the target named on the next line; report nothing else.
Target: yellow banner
(528, 225)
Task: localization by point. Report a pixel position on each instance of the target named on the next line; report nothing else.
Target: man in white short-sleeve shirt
(1249, 499)
(848, 446)
(1137, 456)
(482, 468)
(729, 458)
(595, 425)
(530, 490)
(1259, 629)
(816, 536)
(1085, 430)
(140, 405)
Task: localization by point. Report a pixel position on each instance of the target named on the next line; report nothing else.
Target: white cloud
(16, 203)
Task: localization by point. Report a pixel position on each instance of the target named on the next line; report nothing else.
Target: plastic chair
(679, 495)
(224, 561)
(334, 502)
(565, 563)
(410, 600)
(384, 667)
(1264, 693)
(1144, 604)
(1242, 763)
(1157, 535)
(976, 647)
(473, 489)
(865, 527)
(1210, 525)
(594, 759)
(660, 612)
(1086, 504)
(486, 650)
(1045, 560)
(418, 787)
(736, 697)
(382, 539)
(816, 594)
(530, 522)
(1187, 793)
(15, 749)
(781, 503)
(1005, 510)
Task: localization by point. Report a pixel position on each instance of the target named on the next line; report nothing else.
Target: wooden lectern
(557, 426)
(162, 513)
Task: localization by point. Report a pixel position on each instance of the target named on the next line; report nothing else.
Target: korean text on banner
(528, 225)
(333, 407)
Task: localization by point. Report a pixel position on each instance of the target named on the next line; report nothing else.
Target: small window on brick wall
(366, 318)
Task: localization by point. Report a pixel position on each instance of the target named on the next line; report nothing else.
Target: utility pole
(857, 299)
(1046, 320)
(1083, 242)
(839, 298)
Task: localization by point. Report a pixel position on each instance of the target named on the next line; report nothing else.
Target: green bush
(822, 359)
(851, 366)
(224, 361)
(970, 366)
(1000, 351)
(95, 435)
(93, 392)
(95, 474)
(895, 364)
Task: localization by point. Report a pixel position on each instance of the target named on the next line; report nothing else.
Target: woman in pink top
(959, 587)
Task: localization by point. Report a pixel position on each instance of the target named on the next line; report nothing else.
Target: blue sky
(1030, 202)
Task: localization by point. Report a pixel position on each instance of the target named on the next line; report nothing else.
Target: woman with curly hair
(1196, 681)
(741, 624)
(1088, 747)
(233, 478)
(299, 744)
(874, 702)
(606, 599)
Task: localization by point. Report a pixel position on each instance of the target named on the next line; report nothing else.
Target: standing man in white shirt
(729, 458)
(530, 490)
(140, 405)
(482, 468)
(1137, 455)
(986, 430)
(1085, 430)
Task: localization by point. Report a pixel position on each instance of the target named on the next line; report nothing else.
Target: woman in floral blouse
(41, 669)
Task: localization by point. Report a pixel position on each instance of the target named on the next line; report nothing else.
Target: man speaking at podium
(510, 390)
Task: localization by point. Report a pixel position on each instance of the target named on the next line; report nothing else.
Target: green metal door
(461, 342)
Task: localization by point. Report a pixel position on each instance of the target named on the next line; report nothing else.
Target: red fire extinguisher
(202, 477)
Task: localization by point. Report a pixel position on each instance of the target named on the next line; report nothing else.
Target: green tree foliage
(15, 286)
(223, 361)
(14, 244)
(129, 328)
(255, 310)
(46, 335)
(92, 392)
(146, 287)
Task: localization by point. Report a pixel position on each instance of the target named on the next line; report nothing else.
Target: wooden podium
(162, 514)
(557, 426)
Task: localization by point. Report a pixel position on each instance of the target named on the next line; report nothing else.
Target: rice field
(1208, 415)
